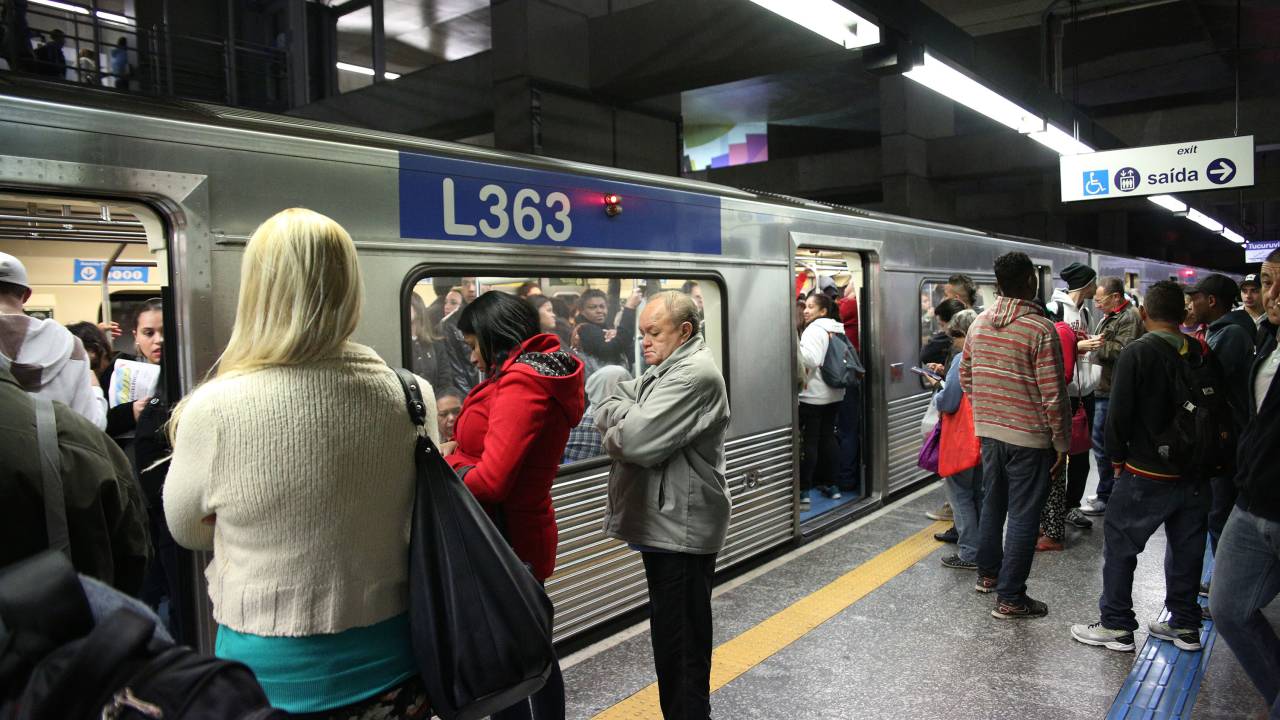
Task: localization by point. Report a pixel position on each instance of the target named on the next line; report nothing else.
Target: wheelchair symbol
(1095, 183)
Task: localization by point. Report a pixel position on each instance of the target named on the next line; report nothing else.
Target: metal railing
(154, 60)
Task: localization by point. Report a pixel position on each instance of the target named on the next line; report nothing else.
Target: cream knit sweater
(310, 472)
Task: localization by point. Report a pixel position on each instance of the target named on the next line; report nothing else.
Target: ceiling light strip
(362, 70)
(831, 20)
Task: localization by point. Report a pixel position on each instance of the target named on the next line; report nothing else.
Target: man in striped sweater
(1012, 371)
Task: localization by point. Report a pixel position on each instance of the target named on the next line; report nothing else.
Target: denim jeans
(680, 628)
(1106, 473)
(1138, 507)
(1224, 498)
(1016, 484)
(1246, 577)
(849, 434)
(964, 492)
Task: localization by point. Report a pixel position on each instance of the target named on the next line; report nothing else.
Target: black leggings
(1078, 465)
(820, 449)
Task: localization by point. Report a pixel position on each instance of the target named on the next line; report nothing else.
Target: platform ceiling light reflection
(1233, 236)
(946, 80)
(1169, 202)
(829, 19)
(114, 18)
(362, 70)
(66, 7)
(1060, 141)
(1204, 221)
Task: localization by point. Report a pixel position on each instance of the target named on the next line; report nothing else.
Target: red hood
(566, 390)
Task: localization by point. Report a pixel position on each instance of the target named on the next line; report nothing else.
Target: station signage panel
(1256, 251)
(1158, 169)
(90, 271)
(448, 199)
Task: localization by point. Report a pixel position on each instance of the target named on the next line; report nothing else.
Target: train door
(839, 439)
(99, 268)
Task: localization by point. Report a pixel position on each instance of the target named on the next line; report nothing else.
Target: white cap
(13, 271)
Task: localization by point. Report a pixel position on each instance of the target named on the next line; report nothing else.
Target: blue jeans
(1138, 507)
(1016, 481)
(964, 492)
(1106, 473)
(849, 435)
(1224, 499)
(1246, 577)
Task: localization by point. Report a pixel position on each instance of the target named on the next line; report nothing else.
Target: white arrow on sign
(1223, 171)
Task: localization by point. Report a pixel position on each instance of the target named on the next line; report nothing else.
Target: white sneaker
(942, 513)
(1094, 506)
(1096, 634)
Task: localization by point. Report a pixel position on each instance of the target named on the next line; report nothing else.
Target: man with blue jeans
(1157, 484)
(1120, 326)
(1012, 371)
(1247, 572)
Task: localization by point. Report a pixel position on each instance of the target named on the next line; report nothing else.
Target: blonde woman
(294, 464)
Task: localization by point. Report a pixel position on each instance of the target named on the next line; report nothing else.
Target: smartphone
(927, 373)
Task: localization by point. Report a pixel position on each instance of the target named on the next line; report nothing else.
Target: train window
(934, 292)
(590, 315)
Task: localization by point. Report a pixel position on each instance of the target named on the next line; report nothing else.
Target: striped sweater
(1012, 372)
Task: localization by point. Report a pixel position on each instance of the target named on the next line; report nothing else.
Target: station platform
(867, 623)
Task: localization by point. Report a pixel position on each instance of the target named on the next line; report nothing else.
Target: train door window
(593, 317)
(833, 457)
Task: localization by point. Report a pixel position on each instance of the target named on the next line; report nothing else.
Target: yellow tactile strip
(754, 646)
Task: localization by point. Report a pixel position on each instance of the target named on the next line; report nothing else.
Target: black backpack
(1200, 436)
(841, 366)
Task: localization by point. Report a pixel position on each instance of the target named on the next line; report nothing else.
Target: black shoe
(947, 536)
(1204, 589)
(1077, 518)
(986, 583)
(954, 561)
(1027, 609)
(1204, 613)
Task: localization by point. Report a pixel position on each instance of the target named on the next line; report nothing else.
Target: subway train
(112, 199)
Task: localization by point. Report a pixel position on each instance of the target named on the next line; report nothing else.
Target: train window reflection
(594, 318)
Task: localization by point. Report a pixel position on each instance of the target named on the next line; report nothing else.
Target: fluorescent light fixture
(1060, 141)
(946, 80)
(362, 70)
(65, 7)
(1204, 221)
(829, 19)
(1233, 236)
(114, 18)
(1169, 202)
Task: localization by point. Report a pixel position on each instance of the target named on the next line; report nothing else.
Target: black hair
(967, 284)
(824, 301)
(147, 306)
(525, 287)
(13, 290)
(688, 286)
(1013, 272)
(537, 301)
(450, 392)
(562, 308)
(92, 337)
(500, 322)
(591, 293)
(1166, 302)
(442, 285)
(1112, 285)
(947, 309)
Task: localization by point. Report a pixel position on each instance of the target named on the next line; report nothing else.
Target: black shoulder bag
(481, 623)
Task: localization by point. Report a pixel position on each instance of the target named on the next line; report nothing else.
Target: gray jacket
(665, 432)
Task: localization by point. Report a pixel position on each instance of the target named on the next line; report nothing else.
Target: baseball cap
(1217, 285)
(1250, 279)
(13, 271)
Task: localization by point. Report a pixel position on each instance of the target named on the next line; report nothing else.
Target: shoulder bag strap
(55, 510)
(413, 397)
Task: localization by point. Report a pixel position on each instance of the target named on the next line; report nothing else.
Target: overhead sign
(90, 271)
(1158, 169)
(446, 199)
(1256, 251)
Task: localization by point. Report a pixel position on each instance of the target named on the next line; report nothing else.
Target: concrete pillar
(543, 102)
(910, 116)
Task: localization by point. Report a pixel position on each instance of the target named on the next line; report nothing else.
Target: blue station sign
(447, 199)
(90, 271)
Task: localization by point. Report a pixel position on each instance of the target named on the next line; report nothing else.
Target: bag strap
(413, 397)
(118, 637)
(55, 510)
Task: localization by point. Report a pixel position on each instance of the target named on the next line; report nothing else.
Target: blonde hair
(300, 295)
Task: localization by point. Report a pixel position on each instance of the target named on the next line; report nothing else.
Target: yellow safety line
(754, 646)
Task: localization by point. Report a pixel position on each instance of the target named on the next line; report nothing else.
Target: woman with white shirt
(294, 464)
(819, 402)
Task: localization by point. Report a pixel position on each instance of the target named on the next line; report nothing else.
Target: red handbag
(1081, 440)
(960, 448)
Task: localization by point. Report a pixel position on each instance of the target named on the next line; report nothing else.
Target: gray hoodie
(665, 432)
(48, 361)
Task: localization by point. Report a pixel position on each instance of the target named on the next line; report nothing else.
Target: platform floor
(921, 644)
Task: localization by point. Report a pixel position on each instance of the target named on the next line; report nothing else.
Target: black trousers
(820, 448)
(680, 627)
(1078, 465)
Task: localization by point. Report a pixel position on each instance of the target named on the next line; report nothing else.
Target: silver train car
(111, 197)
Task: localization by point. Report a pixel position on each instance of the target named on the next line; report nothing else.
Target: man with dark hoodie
(1012, 371)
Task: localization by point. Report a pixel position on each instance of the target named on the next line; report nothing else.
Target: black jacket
(936, 350)
(617, 351)
(1259, 449)
(1142, 404)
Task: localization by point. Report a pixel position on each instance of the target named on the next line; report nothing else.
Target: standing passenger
(1053, 525)
(819, 403)
(428, 353)
(509, 440)
(600, 342)
(667, 494)
(1245, 579)
(964, 491)
(295, 465)
(448, 408)
(1012, 370)
(1069, 306)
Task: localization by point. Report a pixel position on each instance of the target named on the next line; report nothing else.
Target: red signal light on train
(612, 204)
(1188, 273)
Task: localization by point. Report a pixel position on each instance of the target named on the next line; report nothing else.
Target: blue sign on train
(90, 271)
(445, 199)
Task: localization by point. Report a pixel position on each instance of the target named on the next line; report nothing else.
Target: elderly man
(1245, 579)
(667, 494)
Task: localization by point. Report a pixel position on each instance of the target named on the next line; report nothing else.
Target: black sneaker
(1077, 518)
(947, 536)
(986, 583)
(1182, 638)
(1024, 610)
(954, 561)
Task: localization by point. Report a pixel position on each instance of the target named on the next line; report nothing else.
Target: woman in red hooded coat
(510, 437)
